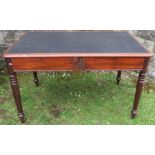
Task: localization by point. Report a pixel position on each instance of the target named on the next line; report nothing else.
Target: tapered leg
(36, 81)
(139, 88)
(118, 77)
(15, 89)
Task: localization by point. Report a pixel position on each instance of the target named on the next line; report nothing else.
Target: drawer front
(99, 63)
(34, 64)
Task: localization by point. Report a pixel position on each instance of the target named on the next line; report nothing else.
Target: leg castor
(118, 79)
(133, 114)
(36, 81)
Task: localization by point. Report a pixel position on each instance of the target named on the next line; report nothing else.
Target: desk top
(76, 43)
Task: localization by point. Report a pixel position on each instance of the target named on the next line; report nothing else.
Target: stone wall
(147, 38)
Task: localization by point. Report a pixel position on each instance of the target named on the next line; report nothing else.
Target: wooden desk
(76, 51)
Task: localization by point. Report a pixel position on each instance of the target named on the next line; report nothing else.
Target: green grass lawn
(71, 98)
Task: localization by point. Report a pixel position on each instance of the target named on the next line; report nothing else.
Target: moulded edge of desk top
(22, 55)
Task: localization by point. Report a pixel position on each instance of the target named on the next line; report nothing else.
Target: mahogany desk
(76, 51)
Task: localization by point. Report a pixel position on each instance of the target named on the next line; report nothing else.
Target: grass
(76, 98)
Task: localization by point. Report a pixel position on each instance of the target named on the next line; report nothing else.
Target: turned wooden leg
(36, 81)
(15, 89)
(139, 88)
(118, 79)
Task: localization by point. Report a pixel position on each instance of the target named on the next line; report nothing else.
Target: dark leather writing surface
(77, 42)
